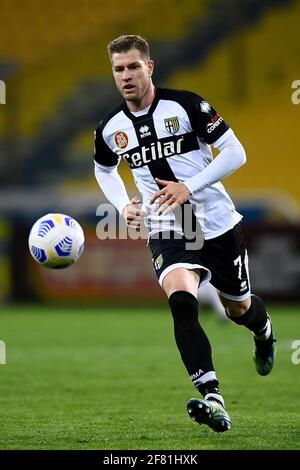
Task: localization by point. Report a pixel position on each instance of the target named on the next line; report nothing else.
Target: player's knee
(181, 280)
(184, 307)
(236, 309)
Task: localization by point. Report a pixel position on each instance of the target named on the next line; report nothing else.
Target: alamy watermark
(2, 352)
(295, 96)
(2, 92)
(295, 358)
(183, 224)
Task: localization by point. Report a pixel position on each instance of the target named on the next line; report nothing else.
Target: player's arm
(210, 127)
(112, 185)
(231, 157)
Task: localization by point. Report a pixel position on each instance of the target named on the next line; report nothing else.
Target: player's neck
(146, 101)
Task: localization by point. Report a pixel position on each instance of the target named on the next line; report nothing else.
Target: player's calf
(259, 323)
(264, 350)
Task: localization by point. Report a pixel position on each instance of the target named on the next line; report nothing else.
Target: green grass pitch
(112, 379)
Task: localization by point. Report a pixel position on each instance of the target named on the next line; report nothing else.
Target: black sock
(256, 318)
(192, 342)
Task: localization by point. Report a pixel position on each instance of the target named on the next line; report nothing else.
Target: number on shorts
(238, 262)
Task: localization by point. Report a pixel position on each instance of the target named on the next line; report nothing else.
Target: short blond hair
(126, 42)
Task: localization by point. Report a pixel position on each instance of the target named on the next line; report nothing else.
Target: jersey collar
(150, 111)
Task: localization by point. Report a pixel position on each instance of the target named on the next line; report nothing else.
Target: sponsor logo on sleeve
(214, 123)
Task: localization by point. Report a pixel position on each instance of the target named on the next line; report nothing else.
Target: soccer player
(165, 137)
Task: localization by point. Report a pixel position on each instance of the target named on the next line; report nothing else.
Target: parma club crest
(172, 124)
(121, 139)
(158, 262)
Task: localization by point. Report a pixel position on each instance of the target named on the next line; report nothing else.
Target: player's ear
(150, 67)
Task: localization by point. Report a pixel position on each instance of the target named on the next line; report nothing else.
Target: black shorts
(222, 260)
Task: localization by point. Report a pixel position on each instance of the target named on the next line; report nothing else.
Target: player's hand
(133, 215)
(171, 196)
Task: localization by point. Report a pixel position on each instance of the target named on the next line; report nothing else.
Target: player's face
(132, 73)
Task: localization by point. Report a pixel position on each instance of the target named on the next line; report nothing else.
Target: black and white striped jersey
(169, 140)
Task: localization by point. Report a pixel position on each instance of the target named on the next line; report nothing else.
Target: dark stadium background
(243, 57)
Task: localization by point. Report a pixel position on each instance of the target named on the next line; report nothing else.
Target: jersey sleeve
(206, 122)
(102, 153)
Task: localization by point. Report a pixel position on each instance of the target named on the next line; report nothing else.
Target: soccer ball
(56, 241)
